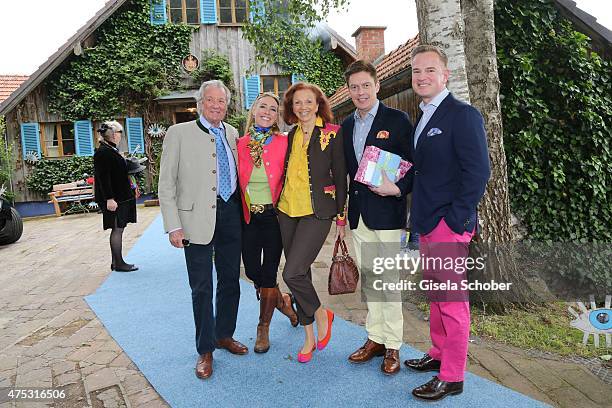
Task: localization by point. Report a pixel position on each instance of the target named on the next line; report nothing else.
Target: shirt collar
(207, 124)
(437, 100)
(372, 112)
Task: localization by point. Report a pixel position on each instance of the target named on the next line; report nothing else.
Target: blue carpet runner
(149, 314)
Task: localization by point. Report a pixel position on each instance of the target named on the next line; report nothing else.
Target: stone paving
(49, 338)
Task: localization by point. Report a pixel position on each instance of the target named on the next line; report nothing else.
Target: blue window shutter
(208, 11)
(30, 138)
(297, 78)
(158, 12)
(252, 86)
(83, 138)
(256, 8)
(135, 134)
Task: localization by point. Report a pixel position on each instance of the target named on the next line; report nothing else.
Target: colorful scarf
(260, 136)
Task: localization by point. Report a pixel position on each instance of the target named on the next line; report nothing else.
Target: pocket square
(383, 134)
(433, 132)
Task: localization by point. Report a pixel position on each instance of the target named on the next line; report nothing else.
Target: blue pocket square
(433, 132)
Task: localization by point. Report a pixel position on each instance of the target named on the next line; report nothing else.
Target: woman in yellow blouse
(313, 195)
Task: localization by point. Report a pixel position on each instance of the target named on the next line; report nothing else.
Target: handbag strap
(338, 240)
(340, 243)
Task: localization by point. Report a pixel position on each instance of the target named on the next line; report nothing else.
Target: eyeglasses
(118, 131)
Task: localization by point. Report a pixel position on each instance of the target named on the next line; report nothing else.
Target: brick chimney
(370, 42)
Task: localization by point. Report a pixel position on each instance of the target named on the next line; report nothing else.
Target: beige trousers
(385, 322)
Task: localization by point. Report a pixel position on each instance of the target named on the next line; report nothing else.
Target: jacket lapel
(348, 142)
(440, 112)
(377, 124)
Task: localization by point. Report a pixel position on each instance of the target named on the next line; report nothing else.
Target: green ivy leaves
(132, 63)
(557, 123)
(49, 172)
(279, 34)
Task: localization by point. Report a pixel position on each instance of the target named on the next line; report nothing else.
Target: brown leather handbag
(343, 273)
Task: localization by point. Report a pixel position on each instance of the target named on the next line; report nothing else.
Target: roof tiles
(392, 63)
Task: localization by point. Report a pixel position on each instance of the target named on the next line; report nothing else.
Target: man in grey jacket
(200, 205)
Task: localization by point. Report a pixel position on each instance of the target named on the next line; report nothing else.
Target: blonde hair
(251, 116)
(108, 128)
(430, 48)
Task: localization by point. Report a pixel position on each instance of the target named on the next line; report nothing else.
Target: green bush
(214, 66)
(131, 64)
(557, 107)
(48, 172)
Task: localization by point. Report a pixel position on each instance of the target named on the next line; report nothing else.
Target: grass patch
(544, 328)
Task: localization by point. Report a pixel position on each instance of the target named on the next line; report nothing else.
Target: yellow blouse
(295, 200)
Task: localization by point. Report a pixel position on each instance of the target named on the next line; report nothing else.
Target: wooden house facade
(36, 131)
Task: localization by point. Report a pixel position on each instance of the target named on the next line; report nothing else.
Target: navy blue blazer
(379, 213)
(451, 168)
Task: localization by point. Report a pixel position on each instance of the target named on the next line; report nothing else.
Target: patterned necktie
(224, 180)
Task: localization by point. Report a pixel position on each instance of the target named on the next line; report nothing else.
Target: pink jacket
(273, 159)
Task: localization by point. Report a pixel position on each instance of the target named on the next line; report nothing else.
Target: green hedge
(557, 108)
(48, 172)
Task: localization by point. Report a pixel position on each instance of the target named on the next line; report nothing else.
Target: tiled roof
(392, 63)
(8, 83)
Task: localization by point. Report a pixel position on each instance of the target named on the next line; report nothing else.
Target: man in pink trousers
(450, 172)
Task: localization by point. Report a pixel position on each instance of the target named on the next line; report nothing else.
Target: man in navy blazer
(450, 173)
(376, 216)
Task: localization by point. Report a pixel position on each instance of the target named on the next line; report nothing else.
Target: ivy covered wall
(557, 113)
(131, 63)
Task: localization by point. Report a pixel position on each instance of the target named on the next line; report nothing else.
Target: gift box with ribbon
(374, 161)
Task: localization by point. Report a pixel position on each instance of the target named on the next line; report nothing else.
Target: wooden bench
(75, 193)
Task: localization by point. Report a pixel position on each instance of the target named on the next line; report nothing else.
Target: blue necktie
(224, 180)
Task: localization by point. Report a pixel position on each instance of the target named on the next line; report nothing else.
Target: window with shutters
(184, 11)
(277, 84)
(58, 139)
(123, 144)
(233, 11)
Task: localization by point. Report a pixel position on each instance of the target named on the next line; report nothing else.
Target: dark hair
(430, 48)
(324, 110)
(360, 66)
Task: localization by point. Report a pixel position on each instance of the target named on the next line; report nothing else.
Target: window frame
(276, 78)
(233, 9)
(184, 12)
(60, 139)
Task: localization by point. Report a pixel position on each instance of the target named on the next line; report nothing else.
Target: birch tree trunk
(441, 24)
(483, 82)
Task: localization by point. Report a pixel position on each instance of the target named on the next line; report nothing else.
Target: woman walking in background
(314, 193)
(261, 157)
(113, 192)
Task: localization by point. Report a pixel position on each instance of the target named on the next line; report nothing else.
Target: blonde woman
(261, 156)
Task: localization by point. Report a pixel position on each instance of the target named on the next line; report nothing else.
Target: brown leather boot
(266, 310)
(284, 304)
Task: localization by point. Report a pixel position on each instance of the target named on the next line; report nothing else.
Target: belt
(259, 208)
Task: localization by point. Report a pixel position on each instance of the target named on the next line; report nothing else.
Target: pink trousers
(449, 322)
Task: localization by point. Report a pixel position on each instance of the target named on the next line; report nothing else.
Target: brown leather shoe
(367, 352)
(284, 304)
(233, 346)
(391, 363)
(204, 366)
